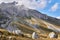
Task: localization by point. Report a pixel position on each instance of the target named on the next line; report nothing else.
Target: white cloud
(33, 4)
(42, 3)
(58, 17)
(54, 7)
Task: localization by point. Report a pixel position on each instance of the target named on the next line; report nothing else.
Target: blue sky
(48, 7)
(51, 12)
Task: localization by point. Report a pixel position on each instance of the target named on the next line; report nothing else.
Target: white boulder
(34, 35)
(17, 32)
(53, 35)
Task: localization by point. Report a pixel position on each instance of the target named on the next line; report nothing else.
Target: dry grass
(14, 37)
(27, 30)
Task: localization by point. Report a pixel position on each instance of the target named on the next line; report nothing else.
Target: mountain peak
(10, 3)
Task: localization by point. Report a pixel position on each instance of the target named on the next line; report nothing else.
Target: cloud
(58, 17)
(33, 4)
(54, 7)
(42, 3)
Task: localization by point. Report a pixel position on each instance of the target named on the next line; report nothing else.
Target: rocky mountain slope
(18, 17)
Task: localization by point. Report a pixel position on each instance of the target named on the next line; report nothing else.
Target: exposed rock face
(53, 35)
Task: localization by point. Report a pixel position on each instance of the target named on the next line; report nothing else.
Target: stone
(34, 35)
(53, 35)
